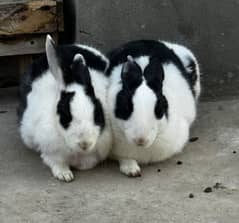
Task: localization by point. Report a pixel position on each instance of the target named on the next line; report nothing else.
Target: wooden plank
(38, 16)
(14, 1)
(32, 44)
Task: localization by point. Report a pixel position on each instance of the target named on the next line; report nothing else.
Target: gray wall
(209, 27)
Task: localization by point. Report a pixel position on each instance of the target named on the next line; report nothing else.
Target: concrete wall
(209, 28)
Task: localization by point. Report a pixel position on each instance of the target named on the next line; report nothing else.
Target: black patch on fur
(34, 71)
(65, 55)
(99, 117)
(154, 75)
(131, 76)
(192, 74)
(151, 48)
(161, 106)
(64, 109)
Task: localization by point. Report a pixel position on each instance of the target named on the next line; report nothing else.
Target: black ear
(131, 74)
(154, 74)
(80, 70)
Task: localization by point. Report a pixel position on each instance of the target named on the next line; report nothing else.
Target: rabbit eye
(64, 110)
(124, 105)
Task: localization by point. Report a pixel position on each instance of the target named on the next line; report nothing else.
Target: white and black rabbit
(152, 97)
(62, 115)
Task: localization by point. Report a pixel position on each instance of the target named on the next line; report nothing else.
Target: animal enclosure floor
(167, 192)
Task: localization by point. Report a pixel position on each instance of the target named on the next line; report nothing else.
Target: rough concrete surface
(209, 28)
(29, 193)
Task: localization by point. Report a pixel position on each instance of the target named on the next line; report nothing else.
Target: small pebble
(191, 195)
(234, 151)
(179, 162)
(193, 139)
(208, 190)
(159, 170)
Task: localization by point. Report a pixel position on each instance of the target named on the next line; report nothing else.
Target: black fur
(161, 106)
(154, 75)
(131, 79)
(64, 109)
(65, 55)
(192, 73)
(151, 48)
(99, 117)
(34, 71)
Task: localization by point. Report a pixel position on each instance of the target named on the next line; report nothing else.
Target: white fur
(184, 53)
(164, 138)
(40, 128)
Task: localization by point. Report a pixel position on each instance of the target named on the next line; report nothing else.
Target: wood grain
(25, 17)
(22, 45)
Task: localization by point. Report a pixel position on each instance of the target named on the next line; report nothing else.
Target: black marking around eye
(64, 109)
(99, 117)
(124, 105)
(161, 106)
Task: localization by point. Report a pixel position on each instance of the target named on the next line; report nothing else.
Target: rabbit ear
(53, 62)
(131, 73)
(128, 64)
(80, 70)
(130, 58)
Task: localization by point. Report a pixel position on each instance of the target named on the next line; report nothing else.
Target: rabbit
(152, 98)
(62, 108)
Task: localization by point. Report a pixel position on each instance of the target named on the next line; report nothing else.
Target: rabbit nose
(84, 145)
(140, 141)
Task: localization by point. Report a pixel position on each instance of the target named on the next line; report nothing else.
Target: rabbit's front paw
(130, 168)
(63, 174)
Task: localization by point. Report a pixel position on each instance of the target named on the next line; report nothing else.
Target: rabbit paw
(63, 174)
(130, 168)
